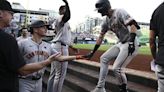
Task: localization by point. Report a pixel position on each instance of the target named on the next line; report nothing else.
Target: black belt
(63, 44)
(30, 77)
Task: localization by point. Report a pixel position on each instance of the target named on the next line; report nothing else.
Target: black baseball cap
(5, 5)
(38, 23)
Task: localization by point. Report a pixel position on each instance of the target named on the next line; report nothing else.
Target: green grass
(142, 50)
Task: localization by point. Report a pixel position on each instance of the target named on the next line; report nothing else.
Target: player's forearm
(100, 39)
(153, 47)
(153, 51)
(33, 67)
(65, 58)
(152, 41)
(98, 43)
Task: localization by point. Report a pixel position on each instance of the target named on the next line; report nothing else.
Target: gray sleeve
(20, 44)
(104, 26)
(58, 25)
(53, 51)
(124, 16)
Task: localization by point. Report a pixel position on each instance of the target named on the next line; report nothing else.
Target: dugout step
(78, 84)
(140, 77)
(91, 73)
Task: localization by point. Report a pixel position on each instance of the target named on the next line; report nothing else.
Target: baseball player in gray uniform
(61, 42)
(24, 34)
(33, 50)
(125, 28)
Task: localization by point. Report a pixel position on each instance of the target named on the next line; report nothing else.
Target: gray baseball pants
(27, 85)
(58, 70)
(119, 52)
(160, 76)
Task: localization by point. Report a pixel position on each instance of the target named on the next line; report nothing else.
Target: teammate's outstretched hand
(131, 48)
(80, 57)
(53, 57)
(89, 55)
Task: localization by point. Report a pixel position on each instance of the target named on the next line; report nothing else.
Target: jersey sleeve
(124, 16)
(54, 52)
(13, 56)
(20, 45)
(104, 26)
(58, 25)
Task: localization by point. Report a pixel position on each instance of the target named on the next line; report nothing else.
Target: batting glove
(131, 48)
(89, 55)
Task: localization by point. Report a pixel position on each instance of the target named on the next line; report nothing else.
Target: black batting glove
(131, 48)
(89, 55)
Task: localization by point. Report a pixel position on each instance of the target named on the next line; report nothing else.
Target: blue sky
(140, 10)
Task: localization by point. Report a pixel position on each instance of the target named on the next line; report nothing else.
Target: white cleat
(99, 90)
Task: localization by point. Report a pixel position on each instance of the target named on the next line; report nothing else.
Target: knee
(104, 59)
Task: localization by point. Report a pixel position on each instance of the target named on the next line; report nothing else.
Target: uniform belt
(30, 77)
(63, 44)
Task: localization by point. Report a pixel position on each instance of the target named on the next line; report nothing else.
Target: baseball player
(157, 43)
(33, 50)
(24, 34)
(125, 28)
(61, 42)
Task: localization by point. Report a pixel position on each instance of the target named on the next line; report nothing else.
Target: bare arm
(152, 41)
(65, 58)
(98, 42)
(33, 67)
(100, 39)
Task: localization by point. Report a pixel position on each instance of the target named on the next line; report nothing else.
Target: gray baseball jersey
(63, 33)
(117, 24)
(20, 38)
(58, 69)
(34, 52)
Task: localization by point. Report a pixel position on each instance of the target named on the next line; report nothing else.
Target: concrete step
(141, 77)
(90, 73)
(72, 83)
(78, 84)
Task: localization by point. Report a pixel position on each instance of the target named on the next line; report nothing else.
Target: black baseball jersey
(157, 25)
(10, 61)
